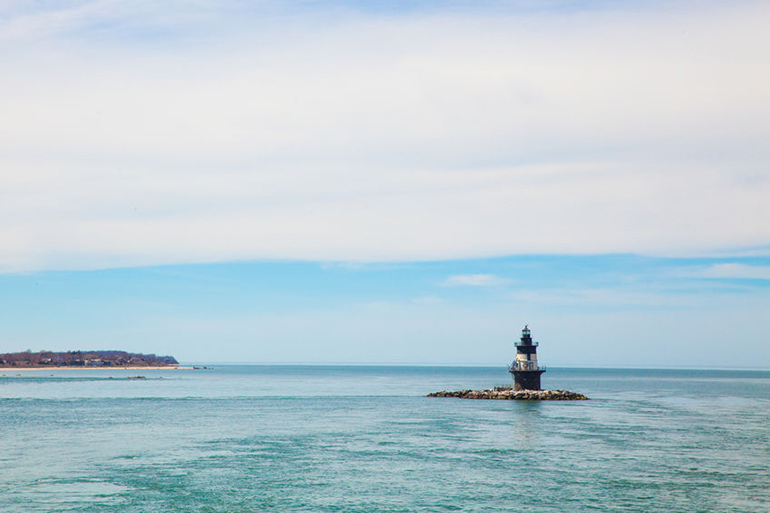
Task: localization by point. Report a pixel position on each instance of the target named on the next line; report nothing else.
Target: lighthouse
(526, 372)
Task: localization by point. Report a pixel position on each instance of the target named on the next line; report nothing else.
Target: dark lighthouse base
(526, 380)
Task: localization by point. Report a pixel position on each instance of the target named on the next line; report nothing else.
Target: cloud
(737, 271)
(137, 134)
(428, 300)
(474, 280)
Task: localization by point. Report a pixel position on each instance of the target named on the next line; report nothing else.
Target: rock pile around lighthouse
(507, 393)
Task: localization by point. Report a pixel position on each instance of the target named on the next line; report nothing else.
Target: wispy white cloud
(475, 280)
(603, 298)
(466, 135)
(428, 300)
(736, 271)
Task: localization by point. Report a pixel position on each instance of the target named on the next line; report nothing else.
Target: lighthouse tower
(526, 372)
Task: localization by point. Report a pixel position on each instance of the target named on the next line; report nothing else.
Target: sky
(387, 182)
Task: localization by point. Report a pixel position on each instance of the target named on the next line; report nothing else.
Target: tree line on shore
(100, 358)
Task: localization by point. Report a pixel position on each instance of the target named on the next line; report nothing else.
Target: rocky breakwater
(507, 393)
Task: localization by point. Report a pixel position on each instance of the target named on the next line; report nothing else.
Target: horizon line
(467, 365)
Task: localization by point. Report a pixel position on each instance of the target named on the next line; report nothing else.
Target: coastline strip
(103, 368)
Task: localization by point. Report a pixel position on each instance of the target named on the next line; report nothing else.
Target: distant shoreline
(73, 367)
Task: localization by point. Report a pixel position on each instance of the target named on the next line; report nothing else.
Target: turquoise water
(294, 438)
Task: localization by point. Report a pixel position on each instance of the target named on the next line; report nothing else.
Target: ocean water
(348, 438)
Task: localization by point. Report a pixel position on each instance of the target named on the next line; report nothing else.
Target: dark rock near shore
(506, 393)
